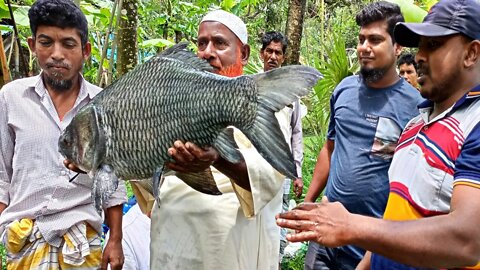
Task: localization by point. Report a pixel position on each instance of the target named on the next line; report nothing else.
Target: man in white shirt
(47, 222)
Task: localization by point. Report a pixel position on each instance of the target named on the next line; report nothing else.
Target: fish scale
(125, 132)
(131, 142)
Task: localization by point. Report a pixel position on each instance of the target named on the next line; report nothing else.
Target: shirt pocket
(428, 187)
(386, 137)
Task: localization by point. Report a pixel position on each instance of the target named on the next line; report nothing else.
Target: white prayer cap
(232, 22)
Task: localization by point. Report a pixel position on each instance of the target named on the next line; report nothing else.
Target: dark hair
(59, 13)
(379, 11)
(408, 59)
(275, 36)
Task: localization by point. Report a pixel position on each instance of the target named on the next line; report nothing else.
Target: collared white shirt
(34, 183)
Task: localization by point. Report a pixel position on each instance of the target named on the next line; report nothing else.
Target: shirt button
(425, 128)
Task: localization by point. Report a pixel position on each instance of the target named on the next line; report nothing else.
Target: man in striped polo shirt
(431, 219)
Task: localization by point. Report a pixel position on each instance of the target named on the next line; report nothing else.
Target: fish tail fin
(277, 89)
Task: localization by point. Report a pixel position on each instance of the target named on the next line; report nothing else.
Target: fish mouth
(67, 149)
(63, 145)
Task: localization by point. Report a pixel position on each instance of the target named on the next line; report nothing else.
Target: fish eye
(66, 141)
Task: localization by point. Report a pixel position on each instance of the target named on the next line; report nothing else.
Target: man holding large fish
(172, 115)
(191, 230)
(47, 222)
(235, 230)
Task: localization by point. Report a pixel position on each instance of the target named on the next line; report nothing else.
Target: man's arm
(447, 241)
(236, 171)
(297, 146)
(191, 158)
(321, 171)
(258, 180)
(113, 253)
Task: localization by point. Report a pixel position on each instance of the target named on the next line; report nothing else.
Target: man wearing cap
(431, 219)
(235, 230)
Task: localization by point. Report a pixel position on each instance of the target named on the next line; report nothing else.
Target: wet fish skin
(128, 127)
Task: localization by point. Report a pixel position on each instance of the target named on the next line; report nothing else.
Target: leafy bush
(297, 262)
(3, 255)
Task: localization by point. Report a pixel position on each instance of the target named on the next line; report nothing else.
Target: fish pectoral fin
(105, 182)
(227, 147)
(200, 181)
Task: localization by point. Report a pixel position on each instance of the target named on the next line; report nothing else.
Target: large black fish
(126, 130)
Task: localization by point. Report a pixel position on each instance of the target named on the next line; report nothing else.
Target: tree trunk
(294, 30)
(178, 36)
(5, 71)
(127, 38)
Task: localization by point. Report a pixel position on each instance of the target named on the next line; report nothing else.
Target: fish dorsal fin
(181, 52)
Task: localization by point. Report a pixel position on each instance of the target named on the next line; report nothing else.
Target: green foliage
(410, 11)
(20, 13)
(21, 16)
(297, 262)
(332, 51)
(255, 65)
(3, 256)
(162, 19)
(311, 148)
(4, 13)
(155, 43)
(426, 4)
(335, 64)
(129, 189)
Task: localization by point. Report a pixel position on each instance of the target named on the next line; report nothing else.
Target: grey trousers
(321, 258)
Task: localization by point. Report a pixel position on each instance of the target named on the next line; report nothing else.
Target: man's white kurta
(236, 230)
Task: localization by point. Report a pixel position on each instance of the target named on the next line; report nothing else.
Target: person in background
(235, 230)
(407, 68)
(368, 113)
(274, 47)
(46, 221)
